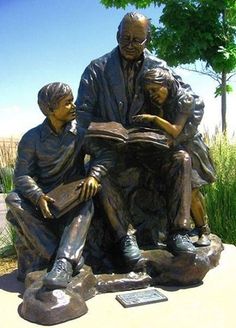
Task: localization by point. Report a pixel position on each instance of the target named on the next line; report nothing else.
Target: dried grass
(7, 265)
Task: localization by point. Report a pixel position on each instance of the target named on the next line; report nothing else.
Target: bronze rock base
(157, 267)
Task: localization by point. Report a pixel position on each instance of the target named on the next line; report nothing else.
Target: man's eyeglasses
(135, 42)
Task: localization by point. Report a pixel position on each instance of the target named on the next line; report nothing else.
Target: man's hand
(43, 205)
(89, 189)
(143, 118)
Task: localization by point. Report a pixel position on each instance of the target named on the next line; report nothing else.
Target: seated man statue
(111, 90)
(49, 155)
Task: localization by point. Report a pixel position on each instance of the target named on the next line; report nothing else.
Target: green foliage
(220, 197)
(6, 179)
(124, 3)
(219, 90)
(192, 30)
(7, 162)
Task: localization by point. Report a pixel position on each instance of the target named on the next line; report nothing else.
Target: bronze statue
(49, 155)
(176, 112)
(137, 184)
(111, 90)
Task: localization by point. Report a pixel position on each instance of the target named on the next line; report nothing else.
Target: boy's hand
(143, 118)
(89, 189)
(43, 205)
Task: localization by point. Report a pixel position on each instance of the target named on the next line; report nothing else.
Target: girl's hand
(147, 118)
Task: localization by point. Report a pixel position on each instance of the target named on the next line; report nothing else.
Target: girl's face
(157, 93)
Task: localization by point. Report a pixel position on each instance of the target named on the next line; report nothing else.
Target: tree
(192, 30)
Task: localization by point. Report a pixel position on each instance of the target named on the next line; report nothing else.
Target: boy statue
(49, 155)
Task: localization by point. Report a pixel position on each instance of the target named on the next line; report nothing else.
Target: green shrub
(221, 195)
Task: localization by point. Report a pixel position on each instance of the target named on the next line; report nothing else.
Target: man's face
(65, 111)
(157, 93)
(132, 38)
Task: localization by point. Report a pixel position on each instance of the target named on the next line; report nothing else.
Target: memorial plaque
(141, 297)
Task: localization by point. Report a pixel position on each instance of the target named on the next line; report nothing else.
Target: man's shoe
(130, 249)
(59, 276)
(178, 243)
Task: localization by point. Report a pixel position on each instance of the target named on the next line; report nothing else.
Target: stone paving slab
(209, 305)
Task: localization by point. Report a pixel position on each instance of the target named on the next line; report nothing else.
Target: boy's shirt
(46, 159)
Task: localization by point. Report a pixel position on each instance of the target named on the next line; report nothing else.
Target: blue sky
(44, 41)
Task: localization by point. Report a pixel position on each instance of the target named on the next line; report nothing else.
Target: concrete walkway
(209, 305)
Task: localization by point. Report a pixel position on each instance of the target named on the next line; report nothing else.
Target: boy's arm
(25, 170)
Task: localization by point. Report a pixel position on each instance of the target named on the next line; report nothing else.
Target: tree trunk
(223, 103)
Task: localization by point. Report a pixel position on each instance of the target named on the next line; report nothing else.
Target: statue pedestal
(157, 267)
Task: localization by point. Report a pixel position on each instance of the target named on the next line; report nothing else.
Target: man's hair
(158, 76)
(134, 16)
(50, 95)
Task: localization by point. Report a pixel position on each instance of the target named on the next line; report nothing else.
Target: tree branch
(213, 75)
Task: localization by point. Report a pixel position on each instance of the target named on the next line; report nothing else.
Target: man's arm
(102, 158)
(87, 97)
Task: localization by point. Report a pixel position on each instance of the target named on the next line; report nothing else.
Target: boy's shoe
(59, 276)
(203, 241)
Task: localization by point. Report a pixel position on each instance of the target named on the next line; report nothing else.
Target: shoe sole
(54, 285)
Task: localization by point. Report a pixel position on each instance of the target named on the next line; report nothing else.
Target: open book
(136, 134)
(65, 196)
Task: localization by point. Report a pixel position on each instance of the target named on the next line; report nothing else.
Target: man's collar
(127, 63)
(46, 130)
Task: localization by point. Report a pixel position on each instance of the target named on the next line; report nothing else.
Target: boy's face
(157, 93)
(65, 111)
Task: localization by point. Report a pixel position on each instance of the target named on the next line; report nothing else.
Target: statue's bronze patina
(111, 90)
(138, 122)
(49, 155)
(175, 111)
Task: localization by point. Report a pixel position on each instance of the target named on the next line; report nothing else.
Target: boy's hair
(50, 95)
(158, 76)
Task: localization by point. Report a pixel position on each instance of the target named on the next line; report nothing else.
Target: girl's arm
(172, 129)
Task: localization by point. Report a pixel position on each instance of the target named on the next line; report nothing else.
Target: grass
(7, 161)
(221, 196)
